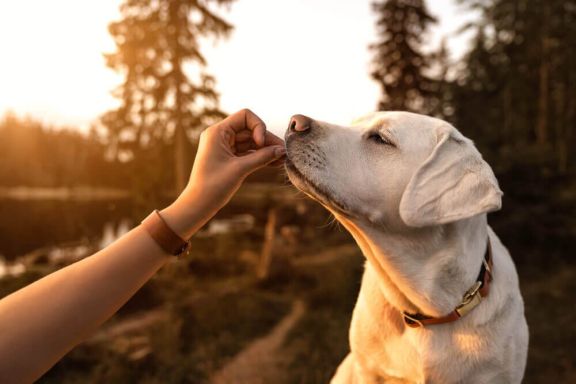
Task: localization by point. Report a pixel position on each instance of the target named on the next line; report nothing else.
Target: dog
(439, 300)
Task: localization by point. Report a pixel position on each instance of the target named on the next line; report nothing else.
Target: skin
(43, 321)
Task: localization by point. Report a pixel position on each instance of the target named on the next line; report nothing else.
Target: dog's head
(393, 168)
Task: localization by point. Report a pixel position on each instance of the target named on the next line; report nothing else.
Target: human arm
(41, 322)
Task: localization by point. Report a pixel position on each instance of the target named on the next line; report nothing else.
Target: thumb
(261, 157)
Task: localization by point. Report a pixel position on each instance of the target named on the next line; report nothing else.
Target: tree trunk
(180, 162)
(266, 256)
(180, 139)
(507, 136)
(568, 142)
(542, 123)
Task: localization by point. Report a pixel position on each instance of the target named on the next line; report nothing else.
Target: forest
(513, 92)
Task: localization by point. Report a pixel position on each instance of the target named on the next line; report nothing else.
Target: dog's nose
(300, 123)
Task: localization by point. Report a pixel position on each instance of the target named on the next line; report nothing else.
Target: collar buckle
(470, 300)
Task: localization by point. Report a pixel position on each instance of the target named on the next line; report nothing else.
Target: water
(27, 225)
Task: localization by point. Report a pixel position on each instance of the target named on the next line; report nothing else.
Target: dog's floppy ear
(453, 183)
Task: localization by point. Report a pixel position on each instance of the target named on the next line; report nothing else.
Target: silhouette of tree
(399, 65)
(477, 89)
(520, 76)
(36, 155)
(166, 94)
(441, 105)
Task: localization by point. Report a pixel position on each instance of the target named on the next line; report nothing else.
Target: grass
(320, 341)
(190, 344)
(549, 301)
(216, 307)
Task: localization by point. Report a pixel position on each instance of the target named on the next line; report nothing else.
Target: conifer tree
(441, 104)
(166, 94)
(477, 89)
(399, 64)
(520, 78)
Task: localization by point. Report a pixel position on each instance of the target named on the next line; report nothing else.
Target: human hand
(228, 152)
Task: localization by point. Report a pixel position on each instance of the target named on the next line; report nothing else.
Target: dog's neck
(424, 270)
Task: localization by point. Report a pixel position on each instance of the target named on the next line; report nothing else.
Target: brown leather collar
(470, 300)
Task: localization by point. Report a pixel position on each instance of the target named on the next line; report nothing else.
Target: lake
(35, 218)
(26, 225)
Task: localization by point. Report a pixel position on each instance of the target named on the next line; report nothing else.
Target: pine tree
(523, 79)
(399, 63)
(166, 94)
(441, 104)
(478, 88)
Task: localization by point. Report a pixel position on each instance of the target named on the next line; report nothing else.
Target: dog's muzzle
(305, 158)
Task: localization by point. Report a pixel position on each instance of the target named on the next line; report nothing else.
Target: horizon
(280, 81)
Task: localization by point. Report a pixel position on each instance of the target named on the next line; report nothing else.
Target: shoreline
(62, 193)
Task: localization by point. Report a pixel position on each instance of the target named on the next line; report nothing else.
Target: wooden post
(269, 235)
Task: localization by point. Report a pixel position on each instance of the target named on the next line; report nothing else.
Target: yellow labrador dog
(440, 301)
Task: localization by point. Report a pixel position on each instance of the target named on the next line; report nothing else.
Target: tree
(399, 62)
(39, 155)
(520, 71)
(441, 104)
(166, 95)
(478, 87)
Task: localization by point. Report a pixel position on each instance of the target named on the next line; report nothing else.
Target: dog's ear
(453, 183)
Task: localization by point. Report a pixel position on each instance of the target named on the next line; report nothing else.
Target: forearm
(42, 322)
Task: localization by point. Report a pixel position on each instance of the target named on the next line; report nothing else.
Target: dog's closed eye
(379, 138)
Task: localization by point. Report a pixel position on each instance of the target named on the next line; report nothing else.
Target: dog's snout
(300, 123)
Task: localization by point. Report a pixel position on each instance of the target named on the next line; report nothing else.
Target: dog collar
(470, 300)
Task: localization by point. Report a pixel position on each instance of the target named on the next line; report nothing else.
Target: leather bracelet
(163, 235)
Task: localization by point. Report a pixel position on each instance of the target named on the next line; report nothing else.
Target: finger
(259, 158)
(244, 135)
(246, 119)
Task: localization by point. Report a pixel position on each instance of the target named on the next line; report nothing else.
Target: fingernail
(279, 151)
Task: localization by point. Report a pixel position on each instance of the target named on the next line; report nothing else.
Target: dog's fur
(416, 204)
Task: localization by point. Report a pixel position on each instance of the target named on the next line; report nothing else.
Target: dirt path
(263, 360)
(260, 362)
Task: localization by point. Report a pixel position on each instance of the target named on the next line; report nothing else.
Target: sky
(283, 57)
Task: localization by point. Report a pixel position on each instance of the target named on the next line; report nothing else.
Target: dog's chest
(388, 352)
(379, 340)
(385, 348)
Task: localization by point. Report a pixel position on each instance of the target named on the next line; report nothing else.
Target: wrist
(178, 218)
(185, 215)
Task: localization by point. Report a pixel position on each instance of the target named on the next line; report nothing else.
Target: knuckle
(246, 111)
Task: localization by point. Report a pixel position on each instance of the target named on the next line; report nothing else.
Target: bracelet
(163, 235)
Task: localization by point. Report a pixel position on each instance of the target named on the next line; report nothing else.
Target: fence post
(269, 236)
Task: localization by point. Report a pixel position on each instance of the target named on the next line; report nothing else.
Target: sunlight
(52, 65)
(299, 57)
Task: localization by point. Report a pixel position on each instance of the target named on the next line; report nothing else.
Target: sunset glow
(52, 65)
(283, 57)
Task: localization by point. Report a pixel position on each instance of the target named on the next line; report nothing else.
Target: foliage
(520, 76)
(166, 94)
(514, 90)
(37, 155)
(399, 62)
